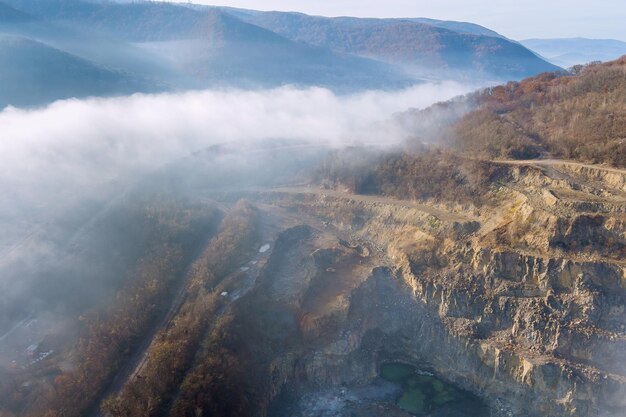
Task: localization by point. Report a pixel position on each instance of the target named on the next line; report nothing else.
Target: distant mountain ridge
(224, 49)
(429, 46)
(34, 73)
(567, 52)
(181, 46)
(461, 27)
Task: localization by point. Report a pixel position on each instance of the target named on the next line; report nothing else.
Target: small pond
(399, 391)
(424, 394)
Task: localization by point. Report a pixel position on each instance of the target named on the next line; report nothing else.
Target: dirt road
(561, 162)
(137, 361)
(373, 199)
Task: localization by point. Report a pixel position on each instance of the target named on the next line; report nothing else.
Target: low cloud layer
(155, 128)
(53, 154)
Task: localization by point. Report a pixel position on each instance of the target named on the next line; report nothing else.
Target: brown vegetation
(110, 336)
(580, 116)
(216, 386)
(174, 348)
(436, 174)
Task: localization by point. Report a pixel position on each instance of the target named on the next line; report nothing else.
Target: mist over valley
(217, 211)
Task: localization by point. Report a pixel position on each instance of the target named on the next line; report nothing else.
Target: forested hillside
(422, 45)
(579, 116)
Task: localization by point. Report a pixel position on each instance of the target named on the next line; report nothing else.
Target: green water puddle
(423, 393)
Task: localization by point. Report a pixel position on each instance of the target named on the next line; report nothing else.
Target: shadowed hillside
(423, 46)
(426, 47)
(10, 15)
(223, 50)
(34, 73)
(573, 51)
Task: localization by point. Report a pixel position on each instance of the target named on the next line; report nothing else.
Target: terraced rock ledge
(519, 301)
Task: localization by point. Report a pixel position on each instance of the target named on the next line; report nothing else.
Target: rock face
(521, 301)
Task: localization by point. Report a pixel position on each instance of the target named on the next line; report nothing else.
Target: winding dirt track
(561, 162)
(135, 364)
(372, 199)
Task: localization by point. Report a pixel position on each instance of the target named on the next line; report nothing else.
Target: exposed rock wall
(521, 302)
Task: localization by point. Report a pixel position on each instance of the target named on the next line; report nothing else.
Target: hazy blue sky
(517, 19)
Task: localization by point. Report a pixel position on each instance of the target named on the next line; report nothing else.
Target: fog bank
(52, 156)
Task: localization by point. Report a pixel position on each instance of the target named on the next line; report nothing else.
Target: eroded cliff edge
(520, 301)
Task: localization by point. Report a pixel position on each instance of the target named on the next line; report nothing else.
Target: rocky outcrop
(521, 301)
(523, 304)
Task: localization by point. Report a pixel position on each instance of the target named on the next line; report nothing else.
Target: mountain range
(37, 73)
(568, 52)
(426, 47)
(118, 48)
